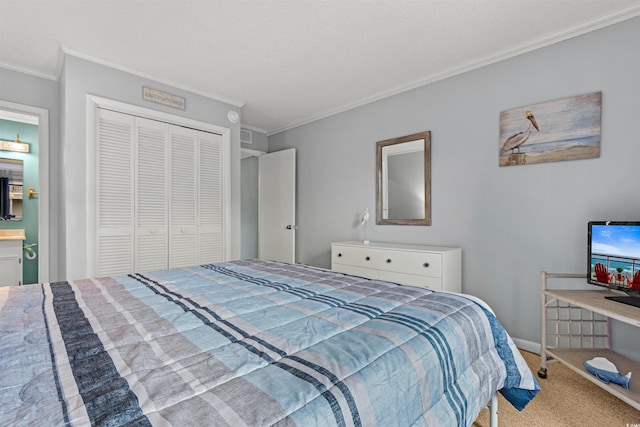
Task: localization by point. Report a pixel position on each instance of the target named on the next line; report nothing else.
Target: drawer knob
(425, 265)
(388, 260)
(339, 255)
(367, 258)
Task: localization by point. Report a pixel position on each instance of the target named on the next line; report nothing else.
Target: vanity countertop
(13, 234)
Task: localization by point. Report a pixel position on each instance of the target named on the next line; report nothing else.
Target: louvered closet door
(115, 193)
(183, 195)
(210, 169)
(151, 246)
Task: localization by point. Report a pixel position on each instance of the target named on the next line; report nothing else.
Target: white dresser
(434, 267)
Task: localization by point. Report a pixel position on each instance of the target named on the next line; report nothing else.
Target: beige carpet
(565, 399)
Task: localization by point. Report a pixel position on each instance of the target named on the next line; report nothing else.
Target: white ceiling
(288, 62)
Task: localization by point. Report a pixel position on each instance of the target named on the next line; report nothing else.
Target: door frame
(42, 114)
(95, 102)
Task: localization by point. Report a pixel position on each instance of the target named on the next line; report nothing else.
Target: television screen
(614, 256)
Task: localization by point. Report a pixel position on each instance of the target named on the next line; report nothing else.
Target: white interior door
(277, 206)
(210, 198)
(151, 212)
(183, 196)
(115, 193)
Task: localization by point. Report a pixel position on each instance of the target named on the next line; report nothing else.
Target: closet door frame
(96, 102)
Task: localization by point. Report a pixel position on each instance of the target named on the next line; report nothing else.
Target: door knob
(291, 227)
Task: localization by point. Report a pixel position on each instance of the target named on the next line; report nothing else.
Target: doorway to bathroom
(27, 191)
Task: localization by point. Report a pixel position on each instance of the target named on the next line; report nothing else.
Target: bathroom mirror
(404, 180)
(11, 176)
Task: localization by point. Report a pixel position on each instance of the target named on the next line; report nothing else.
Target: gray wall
(42, 93)
(259, 141)
(80, 78)
(511, 222)
(249, 203)
(249, 196)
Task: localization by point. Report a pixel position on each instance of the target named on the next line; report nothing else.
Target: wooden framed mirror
(403, 167)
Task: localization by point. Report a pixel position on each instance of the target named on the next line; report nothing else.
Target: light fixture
(17, 145)
(233, 116)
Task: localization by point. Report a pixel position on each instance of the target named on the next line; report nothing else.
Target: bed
(255, 343)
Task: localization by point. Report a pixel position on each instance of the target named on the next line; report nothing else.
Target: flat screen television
(614, 258)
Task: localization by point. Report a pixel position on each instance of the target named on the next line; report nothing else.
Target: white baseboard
(525, 345)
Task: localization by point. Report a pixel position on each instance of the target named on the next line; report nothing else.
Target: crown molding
(253, 128)
(510, 52)
(70, 52)
(28, 71)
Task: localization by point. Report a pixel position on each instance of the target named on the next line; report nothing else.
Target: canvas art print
(564, 129)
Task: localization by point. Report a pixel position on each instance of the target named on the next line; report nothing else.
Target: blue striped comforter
(254, 343)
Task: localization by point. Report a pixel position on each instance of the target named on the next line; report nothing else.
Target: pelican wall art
(564, 129)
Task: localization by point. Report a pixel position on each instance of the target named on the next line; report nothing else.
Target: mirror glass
(11, 173)
(403, 185)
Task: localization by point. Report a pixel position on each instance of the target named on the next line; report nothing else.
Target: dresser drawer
(356, 256)
(434, 283)
(370, 273)
(416, 263)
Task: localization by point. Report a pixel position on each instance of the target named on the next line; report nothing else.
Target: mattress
(255, 343)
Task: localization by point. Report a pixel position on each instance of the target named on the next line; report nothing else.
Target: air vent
(246, 136)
